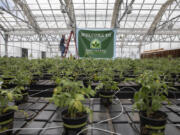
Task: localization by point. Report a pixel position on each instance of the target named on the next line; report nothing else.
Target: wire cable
(103, 130)
(122, 110)
(39, 92)
(14, 129)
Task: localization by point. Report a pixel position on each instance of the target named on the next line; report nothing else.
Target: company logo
(95, 44)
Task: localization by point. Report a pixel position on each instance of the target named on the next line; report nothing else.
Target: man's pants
(62, 48)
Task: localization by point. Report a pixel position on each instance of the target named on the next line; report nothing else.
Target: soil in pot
(106, 97)
(74, 125)
(153, 125)
(6, 122)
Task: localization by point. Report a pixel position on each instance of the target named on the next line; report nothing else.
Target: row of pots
(148, 126)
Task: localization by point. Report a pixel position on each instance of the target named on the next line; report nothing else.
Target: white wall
(14, 49)
(2, 47)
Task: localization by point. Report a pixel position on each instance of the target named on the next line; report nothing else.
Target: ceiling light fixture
(170, 26)
(129, 9)
(63, 9)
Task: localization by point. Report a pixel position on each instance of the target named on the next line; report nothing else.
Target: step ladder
(68, 43)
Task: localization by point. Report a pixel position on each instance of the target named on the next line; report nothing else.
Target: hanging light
(129, 9)
(71, 24)
(170, 26)
(63, 9)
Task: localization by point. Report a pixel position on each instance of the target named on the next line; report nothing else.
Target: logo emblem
(95, 44)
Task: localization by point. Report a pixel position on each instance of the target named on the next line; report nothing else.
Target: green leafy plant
(106, 81)
(70, 94)
(5, 97)
(152, 93)
(22, 78)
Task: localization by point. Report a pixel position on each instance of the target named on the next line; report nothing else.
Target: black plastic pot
(6, 122)
(24, 98)
(6, 83)
(73, 126)
(106, 97)
(118, 79)
(47, 76)
(44, 70)
(149, 126)
(35, 79)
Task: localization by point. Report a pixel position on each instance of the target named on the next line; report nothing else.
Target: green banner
(96, 43)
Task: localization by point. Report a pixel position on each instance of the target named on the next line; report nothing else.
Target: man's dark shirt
(62, 42)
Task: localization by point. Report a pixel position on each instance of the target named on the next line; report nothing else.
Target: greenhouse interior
(89, 67)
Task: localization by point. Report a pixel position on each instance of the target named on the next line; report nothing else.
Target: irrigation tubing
(39, 92)
(15, 129)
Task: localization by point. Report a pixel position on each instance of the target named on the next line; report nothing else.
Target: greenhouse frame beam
(2, 37)
(128, 31)
(117, 6)
(157, 19)
(71, 13)
(14, 16)
(29, 15)
(6, 37)
(126, 10)
(55, 38)
(2, 28)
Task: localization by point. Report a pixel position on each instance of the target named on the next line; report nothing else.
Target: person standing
(62, 47)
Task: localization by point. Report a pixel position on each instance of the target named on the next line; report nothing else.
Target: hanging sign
(96, 43)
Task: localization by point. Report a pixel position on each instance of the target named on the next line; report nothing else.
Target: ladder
(68, 43)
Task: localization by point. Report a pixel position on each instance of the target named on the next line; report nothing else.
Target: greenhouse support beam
(8, 12)
(70, 12)
(128, 31)
(6, 44)
(126, 11)
(114, 20)
(2, 28)
(29, 15)
(157, 19)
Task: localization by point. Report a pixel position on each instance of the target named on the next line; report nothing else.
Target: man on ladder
(61, 45)
(64, 49)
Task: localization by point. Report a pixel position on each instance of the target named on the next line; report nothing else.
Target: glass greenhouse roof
(134, 19)
(88, 13)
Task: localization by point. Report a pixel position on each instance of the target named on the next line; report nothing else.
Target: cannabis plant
(106, 81)
(152, 93)
(70, 94)
(5, 97)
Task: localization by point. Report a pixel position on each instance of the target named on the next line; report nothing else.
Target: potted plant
(148, 101)
(106, 86)
(69, 95)
(22, 80)
(34, 68)
(6, 111)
